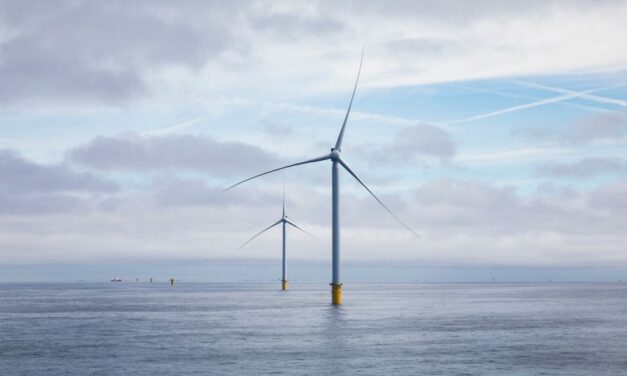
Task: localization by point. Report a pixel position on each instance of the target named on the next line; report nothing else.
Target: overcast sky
(496, 130)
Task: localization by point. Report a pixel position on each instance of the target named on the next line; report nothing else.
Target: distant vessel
(116, 279)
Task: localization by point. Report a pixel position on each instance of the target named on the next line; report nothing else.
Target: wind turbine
(283, 221)
(336, 158)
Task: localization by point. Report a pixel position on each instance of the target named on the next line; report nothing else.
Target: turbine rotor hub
(335, 155)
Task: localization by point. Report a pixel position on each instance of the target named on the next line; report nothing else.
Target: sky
(496, 130)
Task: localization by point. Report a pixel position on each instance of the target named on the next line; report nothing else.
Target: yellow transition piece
(336, 293)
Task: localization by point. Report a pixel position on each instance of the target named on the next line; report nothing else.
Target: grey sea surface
(256, 329)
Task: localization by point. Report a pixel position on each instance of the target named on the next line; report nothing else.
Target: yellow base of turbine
(336, 293)
(284, 285)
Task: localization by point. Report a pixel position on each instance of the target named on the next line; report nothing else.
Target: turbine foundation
(284, 284)
(336, 293)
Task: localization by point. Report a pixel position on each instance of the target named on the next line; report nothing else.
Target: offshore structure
(283, 221)
(335, 156)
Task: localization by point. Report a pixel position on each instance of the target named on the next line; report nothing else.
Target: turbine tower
(283, 221)
(336, 158)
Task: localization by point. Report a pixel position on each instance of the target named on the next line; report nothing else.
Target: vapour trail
(514, 95)
(171, 129)
(527, 105)
(595, 98)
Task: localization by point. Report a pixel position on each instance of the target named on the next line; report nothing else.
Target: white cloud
(467, 221)
(167, 50)
(582, 168)
(134, 152)
(583, 131)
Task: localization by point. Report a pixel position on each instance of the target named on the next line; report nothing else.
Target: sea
(139, 329)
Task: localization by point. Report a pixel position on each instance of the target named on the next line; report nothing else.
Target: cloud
(597, 127)
(447, 11)
(459, 221)
(180, 217)
(23, 176)
(92, 51)
(468, 204)
(133, 152)
(476, 219)
(83, 51)
(291, 24)
(585, 130)
(30, 188)
(417, 47)
(275, 129)
(611, 198)
(195, 193)
(421, 140)
(582, 168)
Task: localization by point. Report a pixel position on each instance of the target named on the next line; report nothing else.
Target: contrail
(507, 94)
(595, 98)
(542, 102)
(174, 128)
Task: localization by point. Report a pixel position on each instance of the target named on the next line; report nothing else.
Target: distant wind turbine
(283, 221)
(336, 159)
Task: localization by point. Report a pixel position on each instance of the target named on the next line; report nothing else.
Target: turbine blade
(284, 197)
(281, 168)
(259, 233)
(350, 171)
(288, 222)
(338, 143)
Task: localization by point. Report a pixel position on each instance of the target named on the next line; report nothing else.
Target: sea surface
(255, 329)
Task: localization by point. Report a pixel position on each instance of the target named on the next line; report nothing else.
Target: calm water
(249, 329)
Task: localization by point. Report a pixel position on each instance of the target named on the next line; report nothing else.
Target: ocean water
(255, 329)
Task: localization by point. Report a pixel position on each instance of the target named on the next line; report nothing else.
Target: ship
(116, 279)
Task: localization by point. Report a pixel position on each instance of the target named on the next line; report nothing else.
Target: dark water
(250, 329)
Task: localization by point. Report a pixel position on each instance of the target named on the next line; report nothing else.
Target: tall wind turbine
(336, 158)
(283, 221)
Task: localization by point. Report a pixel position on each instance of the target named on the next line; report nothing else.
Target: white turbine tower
(336, 158)
(283, 221)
